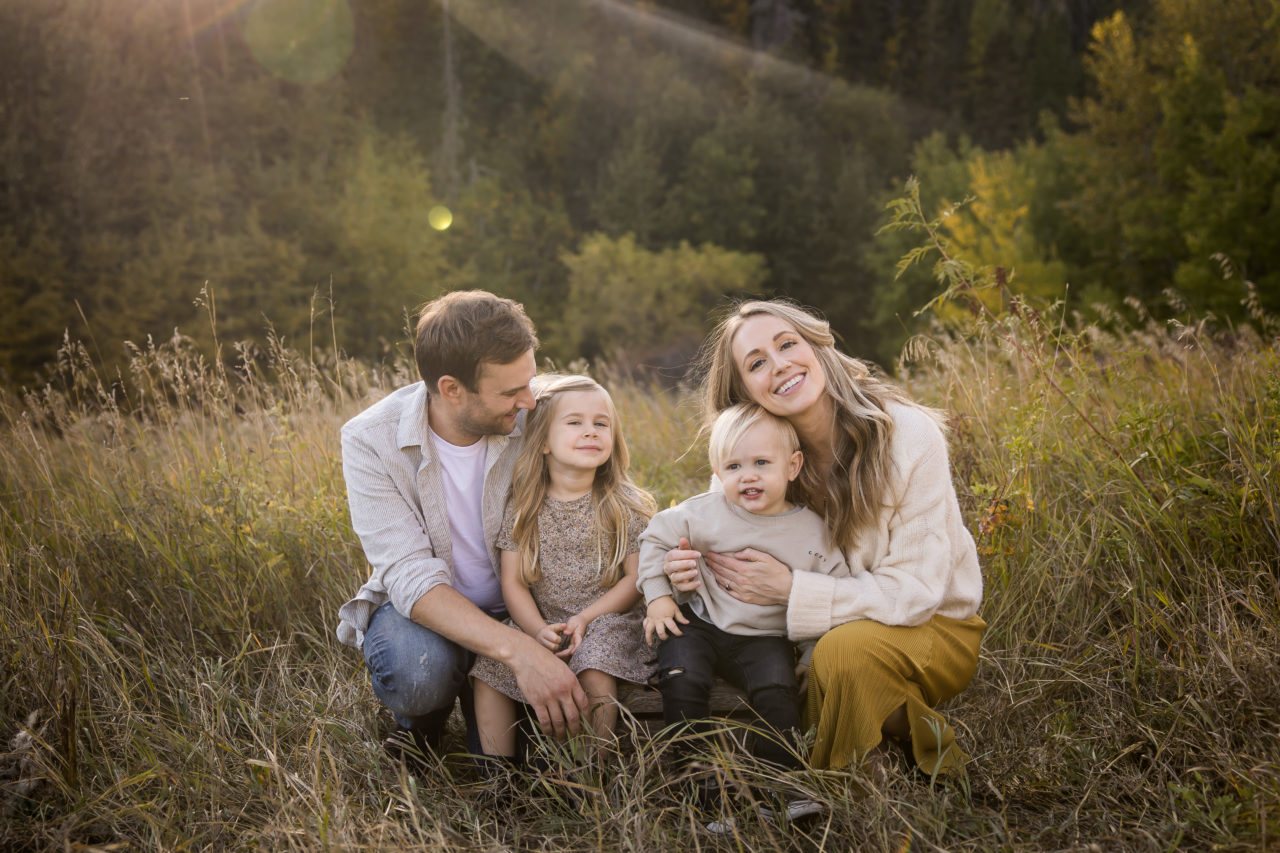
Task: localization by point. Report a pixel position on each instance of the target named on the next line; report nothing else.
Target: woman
(901, 634)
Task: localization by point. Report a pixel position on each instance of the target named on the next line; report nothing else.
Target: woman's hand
(681, 566)
(751, 576)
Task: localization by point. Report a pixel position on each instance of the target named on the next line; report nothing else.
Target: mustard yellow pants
(863, 671)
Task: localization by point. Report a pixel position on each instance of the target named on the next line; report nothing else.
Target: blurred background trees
(620, 168)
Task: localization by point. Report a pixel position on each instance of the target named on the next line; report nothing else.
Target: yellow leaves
(994, 230)
(1002, 516)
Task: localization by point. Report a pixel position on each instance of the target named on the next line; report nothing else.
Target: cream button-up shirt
(398, 508)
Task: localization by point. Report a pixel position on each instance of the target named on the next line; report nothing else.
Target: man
(427, 470)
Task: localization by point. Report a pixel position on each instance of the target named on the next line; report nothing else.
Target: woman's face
(777, 366)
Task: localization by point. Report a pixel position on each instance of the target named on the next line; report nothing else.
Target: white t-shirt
(462, 470)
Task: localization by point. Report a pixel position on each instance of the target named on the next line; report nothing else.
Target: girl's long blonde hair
(857, 485)
(615, 497)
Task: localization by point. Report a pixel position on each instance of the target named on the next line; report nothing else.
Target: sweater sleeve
(662, 534)
(907, 585)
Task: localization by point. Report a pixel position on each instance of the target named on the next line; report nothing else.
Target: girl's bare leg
(495, 720)
(602, 696)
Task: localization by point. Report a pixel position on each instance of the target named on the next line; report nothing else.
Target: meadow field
(174, 545)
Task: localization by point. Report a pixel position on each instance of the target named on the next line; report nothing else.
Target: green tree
(638, 307)
(1178, 146)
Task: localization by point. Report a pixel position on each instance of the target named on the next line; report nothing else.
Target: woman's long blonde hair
(615, 497)
(856, 487)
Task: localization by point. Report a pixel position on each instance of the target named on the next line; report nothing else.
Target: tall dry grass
(174, 545)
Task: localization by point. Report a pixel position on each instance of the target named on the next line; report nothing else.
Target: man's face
(502, 390)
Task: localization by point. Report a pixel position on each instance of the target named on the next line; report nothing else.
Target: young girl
(570, 547)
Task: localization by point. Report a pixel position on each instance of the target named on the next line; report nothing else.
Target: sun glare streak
(218, 14)
(537, 37)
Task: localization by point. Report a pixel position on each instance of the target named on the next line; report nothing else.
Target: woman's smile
(777, 365)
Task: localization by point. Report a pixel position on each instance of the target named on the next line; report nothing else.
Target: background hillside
(618, 167)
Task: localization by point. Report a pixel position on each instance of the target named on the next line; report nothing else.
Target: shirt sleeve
(908, 584)
(390, 530)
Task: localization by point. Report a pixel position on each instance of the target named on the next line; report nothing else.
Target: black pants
(762, 667)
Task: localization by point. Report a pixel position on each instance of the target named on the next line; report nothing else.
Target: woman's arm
(919, 559)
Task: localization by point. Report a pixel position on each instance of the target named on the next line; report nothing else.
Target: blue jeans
(763, 667)
(418, 674)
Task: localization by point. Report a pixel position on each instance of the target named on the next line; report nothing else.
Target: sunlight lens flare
(440, 217)
(302, 41)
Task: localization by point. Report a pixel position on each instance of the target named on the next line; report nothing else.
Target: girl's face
(779, 368)
(581, 431)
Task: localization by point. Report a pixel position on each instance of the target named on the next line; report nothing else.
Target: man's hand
(550, 688)
(661, 617)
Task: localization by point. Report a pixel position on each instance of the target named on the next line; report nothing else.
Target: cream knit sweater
(918, 561)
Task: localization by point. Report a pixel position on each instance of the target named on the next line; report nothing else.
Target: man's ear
(449, 388)
(793, 469)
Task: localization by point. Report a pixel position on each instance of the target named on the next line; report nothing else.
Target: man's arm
(390, 531)
(546, 681)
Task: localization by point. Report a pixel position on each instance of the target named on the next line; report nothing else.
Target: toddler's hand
(802, 678)
(661, 617)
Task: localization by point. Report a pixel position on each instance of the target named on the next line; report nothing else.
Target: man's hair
(732, 424)
(459, 331)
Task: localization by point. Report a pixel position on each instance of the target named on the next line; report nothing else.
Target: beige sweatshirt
(711, 523)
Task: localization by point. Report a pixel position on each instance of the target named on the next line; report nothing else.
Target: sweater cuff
(809, 607)
(655, 588)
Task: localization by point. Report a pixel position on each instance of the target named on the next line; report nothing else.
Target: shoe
(722, 826)
(793, 811)
(411, 748)
(497, 789)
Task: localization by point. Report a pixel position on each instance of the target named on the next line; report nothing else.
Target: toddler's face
(755, 473)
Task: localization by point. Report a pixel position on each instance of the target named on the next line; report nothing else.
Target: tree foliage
(641, 307)
(154, 150)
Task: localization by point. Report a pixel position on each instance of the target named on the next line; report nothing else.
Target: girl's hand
(550, 637)
(661, 617)
(575, 628)
(751, 576)
(681, 567)
(802, 678)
